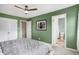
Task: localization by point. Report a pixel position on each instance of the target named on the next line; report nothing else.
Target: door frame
(28, 26)
(20, 35)
(29, 29)
(60, 15)
(78, 33)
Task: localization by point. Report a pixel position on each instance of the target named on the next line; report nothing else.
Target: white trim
(72, 49)
(61, 15)
(78, 33)
(23, 20)
(29, 35)
(52, 30)
(65, 30)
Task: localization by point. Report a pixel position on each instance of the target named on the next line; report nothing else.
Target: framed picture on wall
(41, 25)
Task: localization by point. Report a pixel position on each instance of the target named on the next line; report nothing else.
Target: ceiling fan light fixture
(26, 12)
(26, 9)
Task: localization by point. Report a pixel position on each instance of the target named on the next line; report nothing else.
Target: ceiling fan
(26, 9)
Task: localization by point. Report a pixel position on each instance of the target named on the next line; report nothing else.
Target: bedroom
(15, 24)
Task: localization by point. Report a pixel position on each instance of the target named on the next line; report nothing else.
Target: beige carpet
(62, 51)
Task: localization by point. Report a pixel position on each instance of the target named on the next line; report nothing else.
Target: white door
(8, 29)
(29, 29)
(55, 27)
(3, 30)
(12, 29)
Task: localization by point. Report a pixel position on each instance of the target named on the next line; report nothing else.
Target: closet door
(8, 29)
(12, 29)
(4, 27)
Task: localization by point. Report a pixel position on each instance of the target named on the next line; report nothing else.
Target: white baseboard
(72, 49)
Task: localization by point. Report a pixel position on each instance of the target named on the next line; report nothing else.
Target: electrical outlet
(39, 38)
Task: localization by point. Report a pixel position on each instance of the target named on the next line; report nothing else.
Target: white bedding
(25, 47)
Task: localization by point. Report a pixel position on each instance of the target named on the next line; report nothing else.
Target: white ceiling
(42, 9)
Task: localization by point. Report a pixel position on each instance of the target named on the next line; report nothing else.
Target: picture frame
(41, 25)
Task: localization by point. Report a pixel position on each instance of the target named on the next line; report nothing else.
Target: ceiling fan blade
(32, 9)
(19, 7)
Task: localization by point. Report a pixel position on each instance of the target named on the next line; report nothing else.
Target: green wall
(46, 36)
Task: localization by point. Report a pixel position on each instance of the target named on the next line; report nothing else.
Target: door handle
(8, 32)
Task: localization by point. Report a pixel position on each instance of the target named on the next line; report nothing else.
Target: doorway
(25, 29)
(59, 30)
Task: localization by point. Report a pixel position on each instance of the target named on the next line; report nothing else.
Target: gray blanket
(24, 47)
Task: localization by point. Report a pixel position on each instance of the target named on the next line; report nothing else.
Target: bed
(24, 47)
